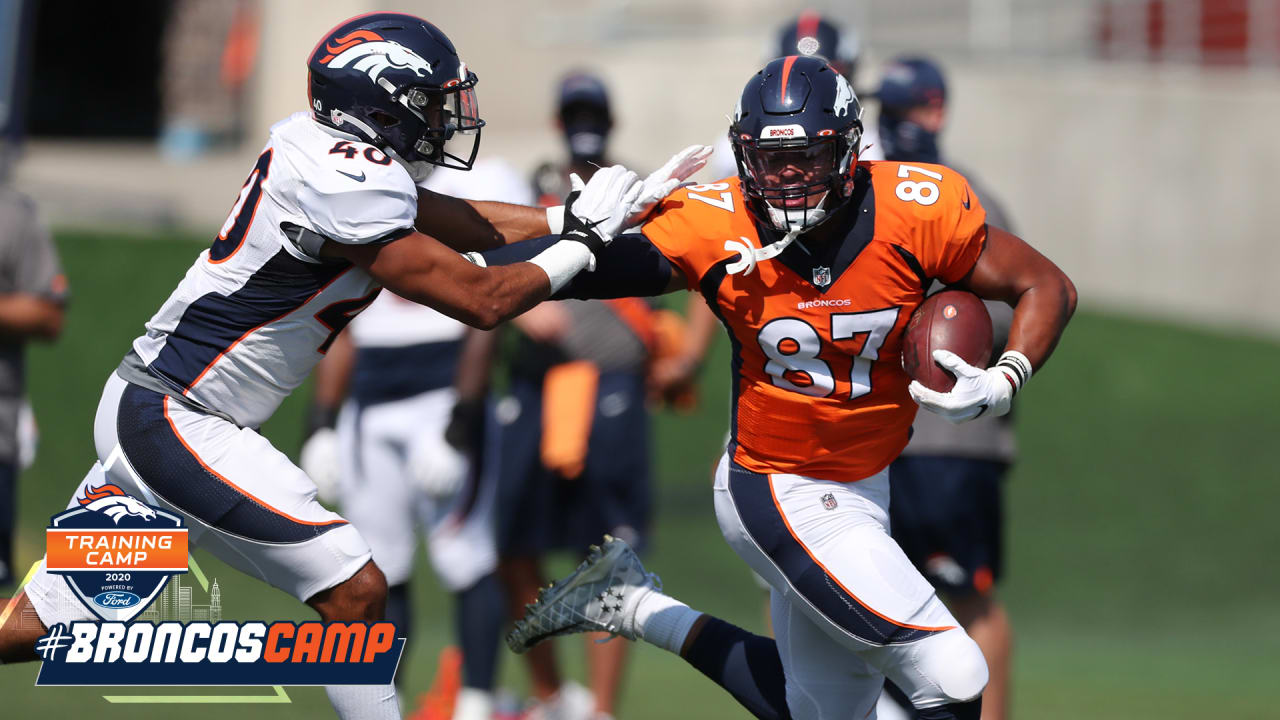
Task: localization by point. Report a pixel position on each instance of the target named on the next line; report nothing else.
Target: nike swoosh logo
(966, 197)
(360, 177)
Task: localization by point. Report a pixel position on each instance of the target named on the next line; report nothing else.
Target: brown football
(953, 320)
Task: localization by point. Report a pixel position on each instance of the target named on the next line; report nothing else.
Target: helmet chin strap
(749, 256)
(781, 219)
(419, 170)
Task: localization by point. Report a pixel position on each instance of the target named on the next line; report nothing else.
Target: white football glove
(437, 467)
(319, 460)
(605, 199)
(663, 181)
(977, 391)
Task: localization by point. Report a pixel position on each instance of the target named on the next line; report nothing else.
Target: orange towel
(568, 407)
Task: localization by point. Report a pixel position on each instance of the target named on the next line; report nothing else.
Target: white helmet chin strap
(749, 256)
(793, 222)
(419, 170)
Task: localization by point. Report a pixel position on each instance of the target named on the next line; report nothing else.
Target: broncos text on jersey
(258, 309)
(819, 388)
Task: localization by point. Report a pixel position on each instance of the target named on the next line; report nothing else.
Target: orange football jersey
(819, 388)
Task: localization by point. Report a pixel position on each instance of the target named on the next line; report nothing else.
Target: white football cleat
(601, 595)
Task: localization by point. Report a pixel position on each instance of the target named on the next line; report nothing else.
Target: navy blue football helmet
(395, 81)
(796, 134)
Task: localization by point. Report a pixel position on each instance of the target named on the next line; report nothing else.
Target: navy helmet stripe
(170, 468)
(753, 498)
(214, 323)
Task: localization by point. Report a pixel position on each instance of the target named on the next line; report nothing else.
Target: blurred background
(1133, 140)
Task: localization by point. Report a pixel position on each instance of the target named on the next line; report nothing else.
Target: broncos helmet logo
(113, 502)
(844, 96)
(367, 52)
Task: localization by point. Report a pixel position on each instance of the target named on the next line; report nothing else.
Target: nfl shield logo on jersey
(829, 502)
(822, 276)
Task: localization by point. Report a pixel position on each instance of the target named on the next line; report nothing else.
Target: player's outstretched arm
(630, 267)
(420, 269)
(1043, 300)
(477, 225)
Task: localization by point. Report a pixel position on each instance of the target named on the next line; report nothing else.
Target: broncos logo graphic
(113, 502)
(844, 96)
(369, 53)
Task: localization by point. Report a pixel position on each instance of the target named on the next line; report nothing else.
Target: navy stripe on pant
(168, 467)
(753, 499)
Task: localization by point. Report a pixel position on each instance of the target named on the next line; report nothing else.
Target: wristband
(555, 219)
(1016, 367)
(579, 230)
(562, 261)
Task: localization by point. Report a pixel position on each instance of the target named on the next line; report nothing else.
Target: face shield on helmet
(792, 178)
(451, 124)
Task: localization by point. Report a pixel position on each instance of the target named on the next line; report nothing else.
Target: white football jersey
(258, 309)
(392, 321)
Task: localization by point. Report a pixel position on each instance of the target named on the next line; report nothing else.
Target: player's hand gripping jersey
(257, 310)
(819, 388)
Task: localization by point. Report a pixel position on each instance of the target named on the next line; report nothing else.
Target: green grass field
(1141, 519)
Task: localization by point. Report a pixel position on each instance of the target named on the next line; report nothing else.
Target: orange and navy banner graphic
(224, 653)
(115, 552)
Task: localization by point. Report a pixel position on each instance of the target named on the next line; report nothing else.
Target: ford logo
(116, 599)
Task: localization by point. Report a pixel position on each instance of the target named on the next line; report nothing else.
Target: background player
(831, 258)
(394, 472)
(33, 293)
(810, 34)
(946, 512)
(329, 213)
(570, 447)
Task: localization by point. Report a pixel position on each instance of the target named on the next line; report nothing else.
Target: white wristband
(562, 261)
(555, 219)
(1017, 367)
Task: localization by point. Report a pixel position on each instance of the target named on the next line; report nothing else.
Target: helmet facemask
(793, 178)
(449, 118)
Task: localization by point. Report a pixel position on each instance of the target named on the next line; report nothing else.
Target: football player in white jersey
(330, 213)
(386, 460)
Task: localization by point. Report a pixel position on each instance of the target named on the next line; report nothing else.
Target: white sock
(473, 704)
(664, 621)
(364, 702)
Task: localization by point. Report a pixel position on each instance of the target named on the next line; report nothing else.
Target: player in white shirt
(330, 212)
(386, 460)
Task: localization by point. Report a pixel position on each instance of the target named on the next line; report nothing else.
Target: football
(954, 320)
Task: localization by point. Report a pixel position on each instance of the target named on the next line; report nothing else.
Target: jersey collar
(813, 262)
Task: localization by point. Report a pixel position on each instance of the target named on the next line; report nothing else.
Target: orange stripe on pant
(233, 486)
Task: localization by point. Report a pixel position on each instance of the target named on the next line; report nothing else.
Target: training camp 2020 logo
(117, 553)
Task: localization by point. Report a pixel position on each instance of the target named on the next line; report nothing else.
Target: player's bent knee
(952, 663)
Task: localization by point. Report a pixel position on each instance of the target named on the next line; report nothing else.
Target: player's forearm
(29, 317)
(481, 300)
(629, 267)
(332, 375)
(1039, 317)
(700, 331)
(515, 223)
(473, 225)
(475, 364)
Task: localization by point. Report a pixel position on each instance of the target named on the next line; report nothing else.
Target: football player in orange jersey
(814, 262)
